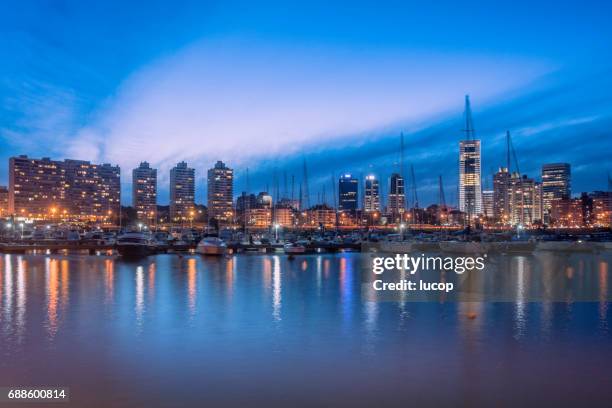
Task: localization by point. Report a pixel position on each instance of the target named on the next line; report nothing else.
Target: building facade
(501, 201)
(525, 200)
(396, 204)
(182, 192)
(144, 191)
(4, 199)
(371, 195)
(221, 193)
(470, 193)
(488, 204)
(348, 193)
(69, 189)
(556, 185)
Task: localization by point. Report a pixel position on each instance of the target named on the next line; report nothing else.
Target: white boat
(293, 249)
(211, 246)
(135, 244)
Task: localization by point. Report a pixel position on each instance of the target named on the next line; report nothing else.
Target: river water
(247, 330)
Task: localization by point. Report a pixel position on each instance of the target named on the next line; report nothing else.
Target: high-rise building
(470, 194)
(348, 187)
(470, 186)
(556, 184)
(525, 200)
(488, 203)
(220, 193)
(396, 204)
(182, 192)
(69, 189)
(501, 201)
(602, 208)
(4, 194)
(144, 191)
(371, 194)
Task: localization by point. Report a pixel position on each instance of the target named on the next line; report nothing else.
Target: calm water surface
(254, 329)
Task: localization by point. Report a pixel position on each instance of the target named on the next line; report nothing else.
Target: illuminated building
(4, 194)
(487, 203)
(525, 200)
(396, 204)
(93, 190)
(244, 203)
(470, 190)
(556, 184)
(602, 208)
(567, 213)
(284, 216)
(221, 193)
(470, 194)
(348, 188)
(371, 195)
(321, 215)
(69, 189)
(501, 202)
(144, 191)
(182, 192)
(260, 217)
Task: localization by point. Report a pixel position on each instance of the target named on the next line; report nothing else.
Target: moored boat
(294, 248)
(211, 246)
(135, 244)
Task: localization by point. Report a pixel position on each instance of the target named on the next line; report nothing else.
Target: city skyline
(234, 89)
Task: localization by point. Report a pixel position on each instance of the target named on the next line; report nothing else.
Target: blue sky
(266, 85)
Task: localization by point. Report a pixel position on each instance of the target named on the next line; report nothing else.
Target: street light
(140, 226)
(276, 227)
(21, 225)
(402, 226)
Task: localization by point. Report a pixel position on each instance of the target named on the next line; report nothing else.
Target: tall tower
(348, 188)
(144, 191)
(371, 194)
(396, 205)
(182, 192)
(470, 189)
(220, 193)
(556, 184)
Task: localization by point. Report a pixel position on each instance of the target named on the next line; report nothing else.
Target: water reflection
(276, 289)
(191, 285)
(21, 298)
(109, 281)
(603, 295)
(52, 290)
(519, 305)
(139, 303)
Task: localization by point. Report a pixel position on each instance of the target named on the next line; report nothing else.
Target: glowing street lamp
(276, 227)
(140, 226)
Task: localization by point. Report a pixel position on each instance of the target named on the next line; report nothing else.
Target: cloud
(244, 102)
